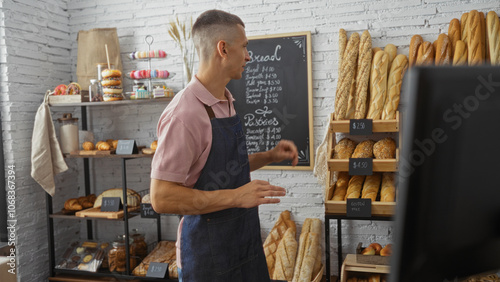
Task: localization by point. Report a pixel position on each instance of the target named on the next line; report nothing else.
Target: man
(201, 168)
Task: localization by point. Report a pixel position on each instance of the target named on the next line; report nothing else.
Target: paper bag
(92, 51)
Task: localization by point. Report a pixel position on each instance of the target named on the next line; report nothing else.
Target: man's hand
(257, 192)
(285, 150)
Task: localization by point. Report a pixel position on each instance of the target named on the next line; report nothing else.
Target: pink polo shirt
(185, 137)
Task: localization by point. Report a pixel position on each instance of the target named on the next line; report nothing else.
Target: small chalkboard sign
(361, 127)
(157, 270)
(126, 147)
(359, 207)
(147, 211)
(111, 204)
(360, 166)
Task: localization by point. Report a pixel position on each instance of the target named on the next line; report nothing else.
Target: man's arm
(171, 197)
(285, 150)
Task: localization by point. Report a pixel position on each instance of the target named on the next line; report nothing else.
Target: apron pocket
(234, 239)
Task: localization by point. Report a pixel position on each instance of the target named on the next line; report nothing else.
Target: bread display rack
(336, 210)
(126, 213)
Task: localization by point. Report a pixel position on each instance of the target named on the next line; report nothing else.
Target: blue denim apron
(224, 246)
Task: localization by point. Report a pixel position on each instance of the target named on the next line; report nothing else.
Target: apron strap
(210, 112)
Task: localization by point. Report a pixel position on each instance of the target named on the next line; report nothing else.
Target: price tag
(157, 270)
(147, 211)
(359, 207)
(111, 204)
(360, 166)
(126, 147)
(361, 127)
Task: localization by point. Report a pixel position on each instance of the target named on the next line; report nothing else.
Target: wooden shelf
(342, 126)
(378, 208)
(387, 165)
(61, 215)
(110, 156)
(112, 103)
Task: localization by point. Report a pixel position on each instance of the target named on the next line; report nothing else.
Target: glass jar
(95, 91)
(139, 245)
(101, 67)
(117, 256)
(68, 133)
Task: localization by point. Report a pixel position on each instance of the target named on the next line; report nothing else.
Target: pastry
(368, 251)
(443, 50)
(371, 186)
(72, 205)
(394, 82)
(377, 247)
(103, 146)
(364, 149)
(272, 241)
(88, 146)
(363, 75)
(460, 55)
(164, 252)
(346, 75)
(87, 258)
(386, 251)
(493, 37)
(454, 33)
(474, 47)
(354, 188)
(378, 85)
(415, 43)
(133, 198)
(425, 54)
(73, 89)
(341, 186)
(385, 149)
(388, 189)
(344, 149)
(154, 144)
(112, 90)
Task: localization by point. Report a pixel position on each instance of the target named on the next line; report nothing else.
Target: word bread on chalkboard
(274, 96)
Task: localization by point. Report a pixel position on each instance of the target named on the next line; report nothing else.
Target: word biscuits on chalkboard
(274, 96)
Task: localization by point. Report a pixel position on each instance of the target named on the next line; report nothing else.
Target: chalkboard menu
(274, 96)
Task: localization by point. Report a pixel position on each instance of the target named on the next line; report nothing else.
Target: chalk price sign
(157, 270)
(147, 211)
(361, 126)
(360, 166)
(111, 204)
(359, 208)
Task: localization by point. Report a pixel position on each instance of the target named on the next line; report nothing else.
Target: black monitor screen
(448, 213)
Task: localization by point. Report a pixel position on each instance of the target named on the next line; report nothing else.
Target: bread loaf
(352, 98)
(474, 48)
(286, 255)
(311, 225)
(454, 33)
(341, 186)
(394, 82)
(371, 186)
(346, 75)
(482, 21)
(272, 241)
(385, 149)
(363, 75)
(392, 52)
(375, 50)
(355, 186)
(464, 20)
(416, 41)
(388, 189)
(344, 149)
(443, 50)
(425, 54)
(342, 45)
(133, 198)
(460, 56)
(364, 149)
(378, 85)
(164, 252)
(88, 146)
(493, 34)
(304, 271)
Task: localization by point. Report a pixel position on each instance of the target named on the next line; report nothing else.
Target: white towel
(46, 156)
(321, 162)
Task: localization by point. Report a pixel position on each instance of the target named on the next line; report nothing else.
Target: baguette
(352, 97)
(375, 50)
(364, 149)
(311, 225)
(493, 35)
(286, 256)
(344, 149)
(464, 20)
(394, 82)
(454, 33)
(355, 186)
(425, 54)
(341, 186)
(460, 56)
(474, 48)
(342, 45)
(300, 255)
(482, 21)
(392, 52)
(378, 85)
(416, 41)
(272, 241)
(371, 186)
(363, 75)
(346, 75)
(310, 254)
(388, 189)
(443, 50)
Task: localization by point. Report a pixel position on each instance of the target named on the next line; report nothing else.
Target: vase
(187, 66)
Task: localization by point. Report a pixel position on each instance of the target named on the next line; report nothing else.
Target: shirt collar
(205, 96)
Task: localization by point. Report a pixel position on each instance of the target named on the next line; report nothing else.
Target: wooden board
(92, 152)
(378, 208)
(96, 212)
(390, 125)
(350, 265)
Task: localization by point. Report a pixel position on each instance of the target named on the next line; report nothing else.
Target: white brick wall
(40, 50)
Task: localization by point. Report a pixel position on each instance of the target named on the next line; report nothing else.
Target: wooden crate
(342, 126)
(352, 268)
(65, 99)
(378, 208)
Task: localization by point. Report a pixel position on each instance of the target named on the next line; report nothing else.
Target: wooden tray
(96, 212)
(92, 152)
(390, 125)
(378, 208)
